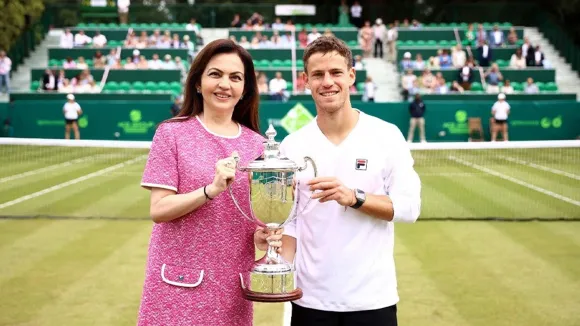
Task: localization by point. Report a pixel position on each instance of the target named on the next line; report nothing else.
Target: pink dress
(193, 265)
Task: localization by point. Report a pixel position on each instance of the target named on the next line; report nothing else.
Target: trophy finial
(271, 133)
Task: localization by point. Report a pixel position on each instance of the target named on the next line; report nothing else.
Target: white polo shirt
(501, 109)
(71, 110)
(344, 258)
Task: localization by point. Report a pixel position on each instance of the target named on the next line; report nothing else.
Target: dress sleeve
(161, 167)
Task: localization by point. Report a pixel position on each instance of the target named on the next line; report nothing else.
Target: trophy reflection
(272, 205)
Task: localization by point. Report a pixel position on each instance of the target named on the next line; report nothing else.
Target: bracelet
(205, 193)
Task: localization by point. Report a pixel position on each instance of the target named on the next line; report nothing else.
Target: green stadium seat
(360, 86)
(276, 63)
(431, 43)
(444, 43)
(164, 86)
(551, 87)
(476, 86)
(34, 85)
(287, 63)
(300, 63)
(541, 86)
(151, 86)
(54, 63)
(518, 87)
(264, 63)
(124, 86)
(419, 43)
(289, 86)
(352, 43)
(81, 25)
(111, 86)
(138, 86)
(112, 25)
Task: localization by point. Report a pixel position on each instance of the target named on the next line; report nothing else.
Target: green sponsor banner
(131, 120)
(444, 120)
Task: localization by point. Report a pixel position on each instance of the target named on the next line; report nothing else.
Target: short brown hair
(324, 45)
(246, 111)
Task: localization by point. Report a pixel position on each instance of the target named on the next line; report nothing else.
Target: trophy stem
(272, 256)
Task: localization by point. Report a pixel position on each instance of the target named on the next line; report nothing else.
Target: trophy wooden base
(271, 297)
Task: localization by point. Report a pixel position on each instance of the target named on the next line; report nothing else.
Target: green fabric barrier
(121, 34)
(345, 35)
(143, 75)
(440, 34)
(445, 121)
(307, 97)
(361, 75)
(105, 97)
(430, 51)
(493, 97)
(89, 53)
(514, 75)
(284, 54)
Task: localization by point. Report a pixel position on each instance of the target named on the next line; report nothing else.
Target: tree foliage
(15, 17)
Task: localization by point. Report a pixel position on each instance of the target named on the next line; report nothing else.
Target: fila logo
(361, 164)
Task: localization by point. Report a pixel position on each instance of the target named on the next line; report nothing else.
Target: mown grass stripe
(437, 202)
(50, 277)
(469, 284)
(25, 253)
(515, 267)
(113, 294)
(13, 230)
(421, 301)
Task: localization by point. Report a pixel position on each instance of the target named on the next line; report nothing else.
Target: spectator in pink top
(200, 243)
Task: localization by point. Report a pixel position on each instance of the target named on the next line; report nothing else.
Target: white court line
(71, 182)
(287, 314)
(514, 180)
(541, 167)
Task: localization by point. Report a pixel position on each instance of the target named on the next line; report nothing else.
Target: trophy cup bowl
(272, 205)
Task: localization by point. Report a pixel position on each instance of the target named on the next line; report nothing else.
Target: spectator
(440, 84)
(465, 77)
(69, 63)
(512, 36)
(313, 35)
(66, 87)
(379, 32)
(278, 25)
(81, 63)
(415, 25)
(81, 39)
(518, 61)
(244, 42)
(99, 40)
(493, 77)
(130, 64)
(7, 129)
(358, 64)
(194, 26)
(168, 64)
(406, 63)
(112, 57)
(456, 88)
(356, 14)
(500, 112)
(136, 55)
(176, 42)
(470, 33)
(143, 63)
(262, 83)
(67, 39)
(277, 87)
(537, 57)
(155, 63)
(290, 26)
(497, 39)
(481, 35)
(445, 60)
(259, 26)
(527, 45)
(5, 67)
(155, 38)
(366, 38)
(123, 10)
(392, 37)
(417, 110)
(419, 64)
(303, 38)
(531, 87)
(236, 22)
(427, 81)
(458, 56)
(99, 60)
(176, 106)
(369, 90)
(49, 81)
(507, 87)
(407, 82)
(484, 54)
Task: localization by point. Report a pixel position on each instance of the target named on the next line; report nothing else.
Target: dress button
(181, 277)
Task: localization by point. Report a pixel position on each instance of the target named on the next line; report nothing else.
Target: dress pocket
(181, 276)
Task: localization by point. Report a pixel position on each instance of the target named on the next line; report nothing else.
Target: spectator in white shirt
(5, 67)
(379, 32)
(168, 64)
(497, 38)
(130, 64)
(67, 39)
(392, 36)
(419, 63)
(244, 42)
(277, 87)
(369, 90)
(518, 61)
(123, 9)
(193, 26)
(99, 40)
(278, 25)
(358, 64)
(458, 57)
(407, 82)
(81, 63)
(81, 39)
(313, 35)
(155, 63)
(507, 87)
(356, 14)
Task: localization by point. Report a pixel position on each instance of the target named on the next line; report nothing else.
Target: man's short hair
(324, 45)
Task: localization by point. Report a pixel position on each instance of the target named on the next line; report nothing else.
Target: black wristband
(205, 193)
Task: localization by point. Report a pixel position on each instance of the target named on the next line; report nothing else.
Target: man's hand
(332, 189)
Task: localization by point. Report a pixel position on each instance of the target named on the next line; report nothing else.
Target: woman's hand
(225, 172)
(264, 236)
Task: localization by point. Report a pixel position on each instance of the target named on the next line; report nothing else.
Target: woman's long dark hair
(246, 111)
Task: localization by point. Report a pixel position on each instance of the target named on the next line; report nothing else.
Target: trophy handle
(295, 211)
(306, 160)
(251, 219)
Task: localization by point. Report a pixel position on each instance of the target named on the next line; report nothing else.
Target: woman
(201, 243)
(71, 110)
(500, 112)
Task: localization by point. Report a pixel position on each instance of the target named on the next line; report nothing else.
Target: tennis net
(511, 181)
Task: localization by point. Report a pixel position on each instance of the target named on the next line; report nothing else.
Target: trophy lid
(271, 160)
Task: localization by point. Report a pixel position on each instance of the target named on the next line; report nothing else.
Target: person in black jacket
(417, 110)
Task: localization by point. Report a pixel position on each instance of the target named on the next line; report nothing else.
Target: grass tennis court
(85, 266)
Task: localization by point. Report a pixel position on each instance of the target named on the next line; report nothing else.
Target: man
(417, 110)
(342, 240)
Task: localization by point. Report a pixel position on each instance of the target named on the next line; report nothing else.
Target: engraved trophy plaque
(272, 205)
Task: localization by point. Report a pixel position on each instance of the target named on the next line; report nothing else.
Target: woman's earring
(199, 90)
(242, 97)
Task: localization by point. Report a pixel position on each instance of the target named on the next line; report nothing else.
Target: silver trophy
(272, 205)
